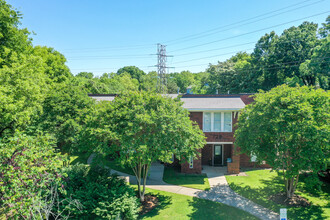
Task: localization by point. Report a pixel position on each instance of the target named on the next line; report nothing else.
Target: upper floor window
(217, 122)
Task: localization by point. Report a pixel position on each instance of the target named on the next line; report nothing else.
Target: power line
(217, 30)
(113, 48)
(262, 29)
(212, 56)
(274, 66)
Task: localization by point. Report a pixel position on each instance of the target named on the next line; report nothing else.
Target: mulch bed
(150, 202)
(295, 201)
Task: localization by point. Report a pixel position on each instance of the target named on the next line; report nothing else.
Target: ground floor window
(191, 162)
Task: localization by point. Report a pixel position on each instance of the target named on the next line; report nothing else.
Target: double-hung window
(217, 122)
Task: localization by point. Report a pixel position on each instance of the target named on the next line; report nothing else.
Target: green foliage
(63, 110)
(325, 29)
(184, 80)
(13, 41)
(54, 63)
(143, 127)
(27, 166)
(149, 81)
(87, 75)
(101, 196)
(319, 65)
(133, 71)
(22, 91)
(289, 129)
(259, 185)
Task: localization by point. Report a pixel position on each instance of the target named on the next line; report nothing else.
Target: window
(253, 157)
(191, 162)
(227, 122)
(217, 122)
(207, 121)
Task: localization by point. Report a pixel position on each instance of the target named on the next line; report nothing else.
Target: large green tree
(23, 87)
(317, 68)
(13, 40)
(133, 71)
(54, 62)
(142, 128)
(289, 128)
(63, 112)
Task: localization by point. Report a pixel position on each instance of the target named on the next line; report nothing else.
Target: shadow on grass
(205, 209)
(163, 202)
(79, 158)
(174, 176)
(273, 186)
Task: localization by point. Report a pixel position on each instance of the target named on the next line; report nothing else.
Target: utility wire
(296, 62)
(262, 29)
(219, 29)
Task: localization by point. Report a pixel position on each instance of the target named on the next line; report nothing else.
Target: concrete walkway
(219, 191)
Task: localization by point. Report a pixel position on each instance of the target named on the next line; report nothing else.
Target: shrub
(28, 166)
(100, 194)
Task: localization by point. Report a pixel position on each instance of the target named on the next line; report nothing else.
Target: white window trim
(191, 162)
(222, 121)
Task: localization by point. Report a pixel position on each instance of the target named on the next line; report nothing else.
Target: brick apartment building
(216, 115)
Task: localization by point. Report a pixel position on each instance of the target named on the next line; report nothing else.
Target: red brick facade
(229, 151)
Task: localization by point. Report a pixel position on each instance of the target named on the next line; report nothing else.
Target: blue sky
(104, 35)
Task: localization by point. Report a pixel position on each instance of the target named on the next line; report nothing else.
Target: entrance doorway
(217, 155)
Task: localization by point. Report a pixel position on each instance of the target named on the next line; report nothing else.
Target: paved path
(219, 191)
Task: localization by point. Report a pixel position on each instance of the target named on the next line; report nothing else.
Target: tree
(233, 75)
(184, 80)
(289, 128)
(87, 75)
(142, 128)
(28, 165)
(54, 62)
(149, 82)
(122, 83)
(133, 71)
(325, 29)
(13, 41)
(317, 68)
(277, 58)
(22, 91)
(63, 110)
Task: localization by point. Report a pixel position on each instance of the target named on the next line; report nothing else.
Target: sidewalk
(219, 192)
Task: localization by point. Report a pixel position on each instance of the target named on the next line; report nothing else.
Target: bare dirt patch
(295, 201)
(150, 202)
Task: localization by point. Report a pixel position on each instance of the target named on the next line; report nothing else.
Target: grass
(79, 158)
(196, 181)
(175, 206)
(104, 161)
(259, 185)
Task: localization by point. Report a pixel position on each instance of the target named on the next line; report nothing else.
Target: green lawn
(259, 185)
(79, 158)
(196, 181)
(82, 158)
(175, 206)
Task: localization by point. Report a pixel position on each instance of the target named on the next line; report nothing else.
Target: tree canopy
(142, 128)
(289, 128)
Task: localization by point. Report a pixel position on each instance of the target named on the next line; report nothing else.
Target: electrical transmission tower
(162, 68)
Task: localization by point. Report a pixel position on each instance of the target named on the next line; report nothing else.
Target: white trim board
(219, 143)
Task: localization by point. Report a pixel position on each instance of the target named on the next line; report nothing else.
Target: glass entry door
(217, 155)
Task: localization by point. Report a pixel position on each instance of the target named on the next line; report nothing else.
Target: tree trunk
(290, 185)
